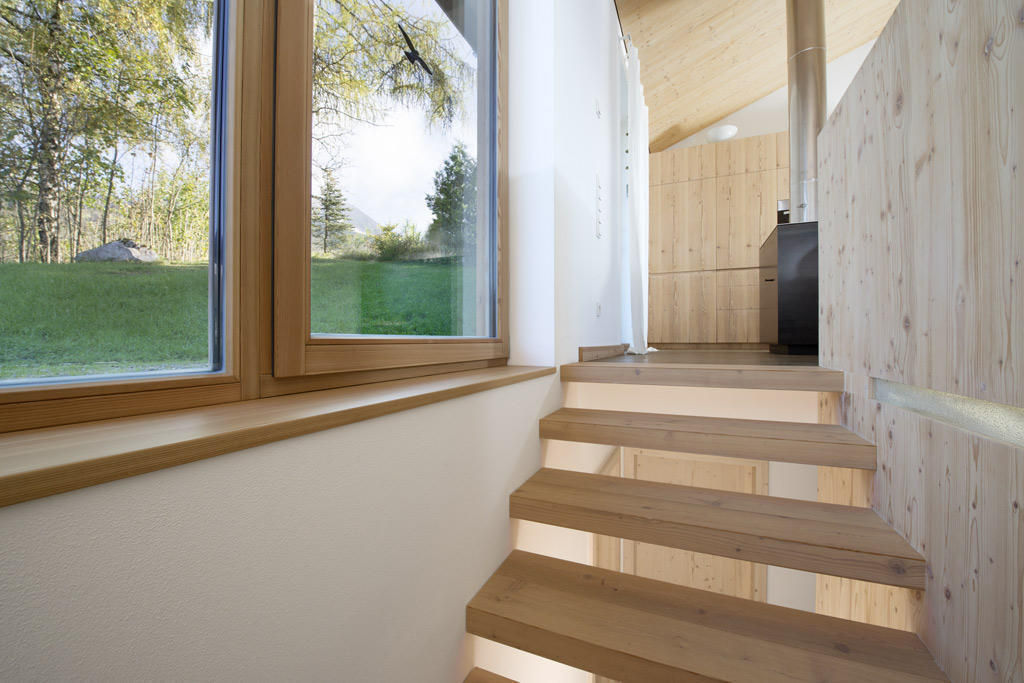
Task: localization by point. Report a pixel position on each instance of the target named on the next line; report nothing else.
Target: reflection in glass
(403, 185)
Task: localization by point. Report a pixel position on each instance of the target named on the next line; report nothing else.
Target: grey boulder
(124, 250)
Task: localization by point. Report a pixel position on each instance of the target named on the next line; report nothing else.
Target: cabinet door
(747, 213)
(682, 308)
(738, 298)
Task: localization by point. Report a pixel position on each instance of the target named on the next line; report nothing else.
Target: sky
(389, 167)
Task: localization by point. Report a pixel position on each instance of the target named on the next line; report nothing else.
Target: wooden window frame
(254, 253)
(39, 405)
(296, 351)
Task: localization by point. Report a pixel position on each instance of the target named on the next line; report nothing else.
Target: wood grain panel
(683, 227)
(922, 240)
(478, 675)
(747, 213)
(738, 297)
(704, 368)
(701, 61)
(811, 536)
(711, 209)
(796, 442)
(871, 603)
(722, 575)
(42, 462)
(683, 164)
(636, 629)
(921, 248)
(683, 307)
(957, 499)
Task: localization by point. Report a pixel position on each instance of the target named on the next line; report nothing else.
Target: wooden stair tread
(806, 443)
(830, 539)
(709, 368)
(635, 629)
(478, 675)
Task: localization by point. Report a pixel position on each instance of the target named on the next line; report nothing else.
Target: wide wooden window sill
(42, 462)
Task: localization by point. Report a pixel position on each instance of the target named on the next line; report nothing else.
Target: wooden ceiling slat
(702, 60)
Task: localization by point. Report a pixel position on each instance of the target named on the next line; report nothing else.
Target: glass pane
(105, 188)
(403, 182)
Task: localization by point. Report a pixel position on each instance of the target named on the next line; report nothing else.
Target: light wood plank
(922, 264)
(682, 307)
(922, 246)
(630, 628)
(746, 214)
(478, 675)
(724, 575)
(292, 183)
(811, 444)
(739, 305)
(598, 352)
(683, 227)
(870, 603)
(43, 462)
(830, 539)
(794, 379)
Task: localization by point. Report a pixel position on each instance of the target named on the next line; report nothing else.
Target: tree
(359, 69)
(104, 108)
(330, 216)
(84, 73)
(453, 203)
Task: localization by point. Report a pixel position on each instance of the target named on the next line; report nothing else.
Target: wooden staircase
(634, 629)
(829, 539)
(810, 444)
(630, 628)
(478, 675)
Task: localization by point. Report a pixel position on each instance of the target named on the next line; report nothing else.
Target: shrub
(391, 245)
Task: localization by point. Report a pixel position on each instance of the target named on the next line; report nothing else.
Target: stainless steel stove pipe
(805, 33)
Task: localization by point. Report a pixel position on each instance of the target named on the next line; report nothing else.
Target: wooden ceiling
(702, 60)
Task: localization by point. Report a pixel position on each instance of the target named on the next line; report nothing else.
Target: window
(188, 128)
(111, 219)
(387, 231)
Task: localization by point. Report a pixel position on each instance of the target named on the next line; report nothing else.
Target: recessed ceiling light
(722, 133)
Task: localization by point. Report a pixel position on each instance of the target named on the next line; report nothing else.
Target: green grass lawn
(371, 297)
(101, 318)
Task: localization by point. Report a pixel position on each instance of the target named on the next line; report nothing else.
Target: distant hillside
(362, 222)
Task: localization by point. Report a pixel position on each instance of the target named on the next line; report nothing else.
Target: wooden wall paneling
(698, 570)
(658, 235)
(922, 246)
(688, 163)
(782, 188)
(739, 306)
(956, 498)
(692, 241)
(683, 307)
(782, 150)
(760, 153)
(608, 549)
(683, 225)
(746, 215)
(922, 258)
(730, 157)
(871, 603)
(768, 208)
(654, 170)
(713, 207)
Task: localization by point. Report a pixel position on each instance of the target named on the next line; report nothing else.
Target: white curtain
(637, 212)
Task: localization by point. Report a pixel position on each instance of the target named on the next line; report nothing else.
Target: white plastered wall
(348, 554)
